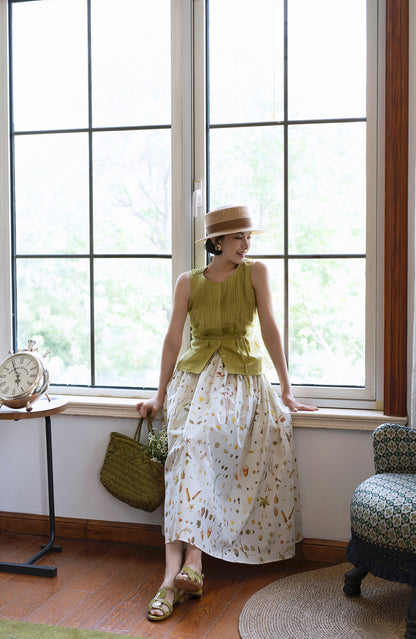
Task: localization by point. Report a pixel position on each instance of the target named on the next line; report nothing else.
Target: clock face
(19, 374)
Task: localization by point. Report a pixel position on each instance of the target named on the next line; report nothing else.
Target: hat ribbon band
(242, 223)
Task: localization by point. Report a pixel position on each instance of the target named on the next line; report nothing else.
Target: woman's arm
(171, 345)
(271, 335)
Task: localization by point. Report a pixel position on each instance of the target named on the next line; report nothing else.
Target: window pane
(246, 166)
(326, 57)
(51, 193)
(132, 311)
(53, 303)
(327, 321)
(130, 62)
(50, 64)
(327, 188)
(132, 195)
(246, 60)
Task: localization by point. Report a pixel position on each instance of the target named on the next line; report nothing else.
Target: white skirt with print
(231, 474)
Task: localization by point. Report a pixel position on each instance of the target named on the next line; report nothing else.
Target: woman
(230, 474)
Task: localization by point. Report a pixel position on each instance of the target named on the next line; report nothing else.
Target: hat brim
(237, 229)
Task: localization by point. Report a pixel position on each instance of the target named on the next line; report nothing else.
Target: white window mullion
(182, 142)
(200, 164)
(375, 197)
(181, 53)
(5, 271)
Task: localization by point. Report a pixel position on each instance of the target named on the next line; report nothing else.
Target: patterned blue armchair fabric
(394, 449)
(383, 509)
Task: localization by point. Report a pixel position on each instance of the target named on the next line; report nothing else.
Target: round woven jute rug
(312, 605)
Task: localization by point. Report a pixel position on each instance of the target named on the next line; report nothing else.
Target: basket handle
(139, 427)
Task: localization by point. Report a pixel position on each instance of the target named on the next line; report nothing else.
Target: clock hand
(16, 372)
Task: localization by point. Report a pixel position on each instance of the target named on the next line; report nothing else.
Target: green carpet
(22, 630)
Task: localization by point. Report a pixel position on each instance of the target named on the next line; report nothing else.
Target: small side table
(42, 407)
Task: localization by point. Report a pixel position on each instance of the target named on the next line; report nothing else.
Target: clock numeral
(6, 390)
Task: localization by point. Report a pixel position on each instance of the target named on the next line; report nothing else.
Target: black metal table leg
(28, 568)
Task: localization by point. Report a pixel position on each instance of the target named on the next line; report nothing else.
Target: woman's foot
(161, 606)
(189, 580)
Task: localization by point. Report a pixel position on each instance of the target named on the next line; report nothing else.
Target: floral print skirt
(230, 474)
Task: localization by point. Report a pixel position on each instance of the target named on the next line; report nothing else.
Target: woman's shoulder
(187, 275)
(259, 273)
(195, 274)
(183, 277)
(184, 280)
(255, 266)
(197, 271)
(183, 283)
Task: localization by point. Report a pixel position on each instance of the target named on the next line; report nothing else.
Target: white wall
(331, 464)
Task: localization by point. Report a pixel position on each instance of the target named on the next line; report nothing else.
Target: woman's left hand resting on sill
(293, 405)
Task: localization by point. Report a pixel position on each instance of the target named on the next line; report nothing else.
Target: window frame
(335, 396)
(91, 254)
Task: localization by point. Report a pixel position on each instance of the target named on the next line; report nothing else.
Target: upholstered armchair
(383, 517)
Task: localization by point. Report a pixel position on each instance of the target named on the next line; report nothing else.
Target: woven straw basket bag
(130, 475)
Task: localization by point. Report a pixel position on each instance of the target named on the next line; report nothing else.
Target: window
(260, 113)
(92, 204)
(288, 132)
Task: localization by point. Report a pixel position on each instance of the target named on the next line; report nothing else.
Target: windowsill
(330, 418)
(344, 418)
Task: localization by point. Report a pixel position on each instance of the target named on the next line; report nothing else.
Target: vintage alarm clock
(24, 376)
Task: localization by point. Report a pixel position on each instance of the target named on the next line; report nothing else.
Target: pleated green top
(222, 318)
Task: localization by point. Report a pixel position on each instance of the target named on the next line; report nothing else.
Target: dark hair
(210, 247)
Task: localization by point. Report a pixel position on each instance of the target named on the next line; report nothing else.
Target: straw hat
(228, 219)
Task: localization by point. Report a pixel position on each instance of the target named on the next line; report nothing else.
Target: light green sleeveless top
(222, 319)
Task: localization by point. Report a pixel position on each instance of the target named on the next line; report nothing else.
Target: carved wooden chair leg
(352, 581)
(411, 617)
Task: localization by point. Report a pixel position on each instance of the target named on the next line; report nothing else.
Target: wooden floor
(106, 586)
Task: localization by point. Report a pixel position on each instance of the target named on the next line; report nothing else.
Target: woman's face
(235, 246)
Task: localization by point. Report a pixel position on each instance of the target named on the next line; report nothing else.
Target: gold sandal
(193, 582)
(160, 600)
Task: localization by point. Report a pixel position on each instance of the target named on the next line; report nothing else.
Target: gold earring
(218, 247)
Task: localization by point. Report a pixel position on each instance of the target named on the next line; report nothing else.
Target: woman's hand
(293, 405)
(149, 406)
